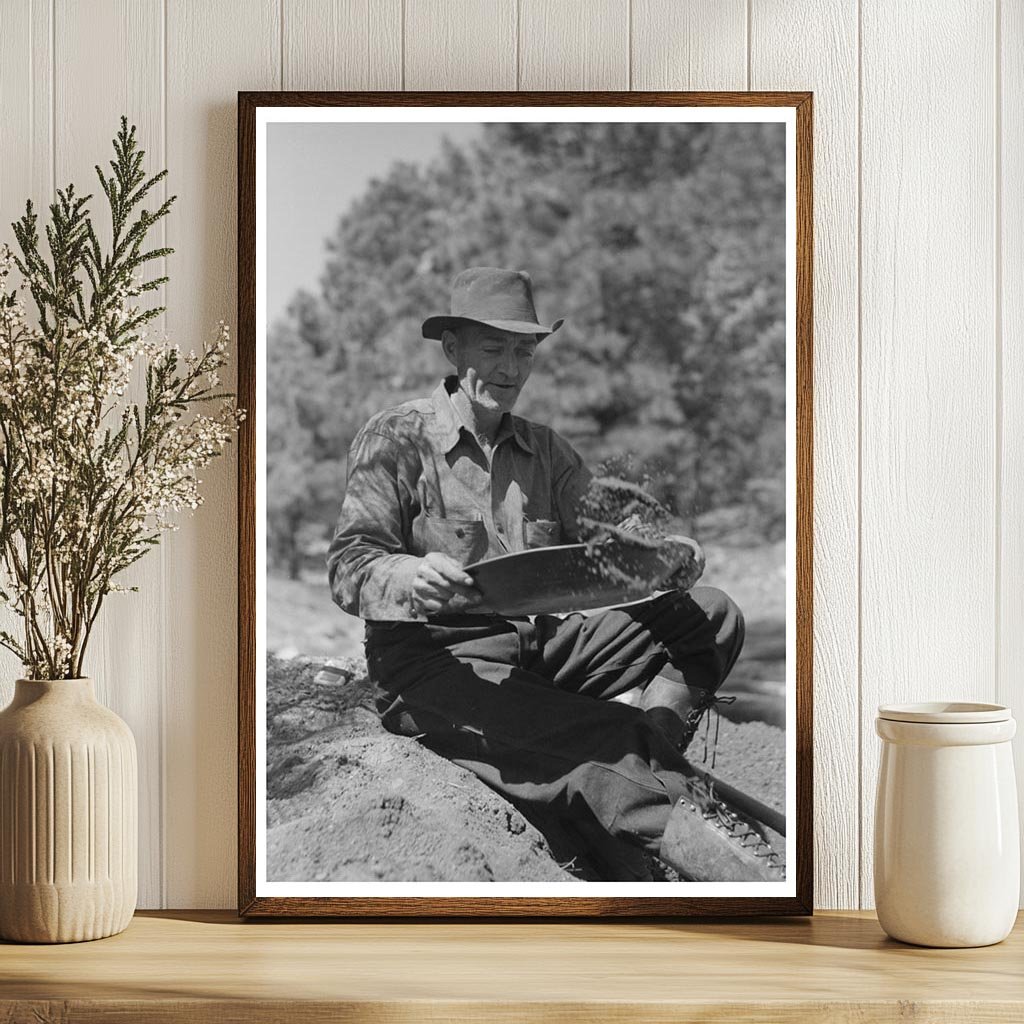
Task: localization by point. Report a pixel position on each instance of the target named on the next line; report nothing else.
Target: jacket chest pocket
(464, 540)
(541, 533)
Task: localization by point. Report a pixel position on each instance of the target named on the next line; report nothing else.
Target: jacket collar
(448, 425)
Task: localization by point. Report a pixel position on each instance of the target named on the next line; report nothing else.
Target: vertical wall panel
(801, 45)
(122, 657)
(574, 44)
(342, 44)
(26, 104)
(213, 51)
(26, 121)
(693, 44)
(1010, 677)
(928, 516)
(468, 45)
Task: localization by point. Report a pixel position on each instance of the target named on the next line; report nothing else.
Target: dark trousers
(526, 707)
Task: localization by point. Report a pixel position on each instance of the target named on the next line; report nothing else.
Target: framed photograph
(525, 504)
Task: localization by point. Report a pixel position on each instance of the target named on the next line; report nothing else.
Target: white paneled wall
(928, 412)
(1009, 326)
(831, 73)
(919, 325)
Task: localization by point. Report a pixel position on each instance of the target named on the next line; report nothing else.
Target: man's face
(492, 365)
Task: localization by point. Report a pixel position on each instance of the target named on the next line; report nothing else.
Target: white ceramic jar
(947, 847)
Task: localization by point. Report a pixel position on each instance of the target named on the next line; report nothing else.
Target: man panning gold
(526, 704)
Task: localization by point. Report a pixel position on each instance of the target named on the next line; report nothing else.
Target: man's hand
(439, 586)
(691, 570)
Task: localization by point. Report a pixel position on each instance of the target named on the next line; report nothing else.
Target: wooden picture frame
(254, 899)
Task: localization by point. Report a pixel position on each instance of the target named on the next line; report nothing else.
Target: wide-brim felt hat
(495, 297)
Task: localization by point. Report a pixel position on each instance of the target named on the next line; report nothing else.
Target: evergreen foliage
(663, 245)
(88, 476)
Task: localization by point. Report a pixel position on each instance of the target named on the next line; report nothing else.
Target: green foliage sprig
(89, 478)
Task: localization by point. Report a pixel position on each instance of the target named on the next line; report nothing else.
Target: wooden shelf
(208, 966)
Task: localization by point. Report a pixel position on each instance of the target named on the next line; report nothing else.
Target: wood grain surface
(208, 966)
(701, 44)
(780, 57)
(468, 45)
(26, 128)
(228, 45)
(928, 367)
(130, 33)
(574, 44)
(344, 44)
(1009, 255)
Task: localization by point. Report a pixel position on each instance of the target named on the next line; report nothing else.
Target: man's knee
(721, 610)
(727, 627)
(727, 621)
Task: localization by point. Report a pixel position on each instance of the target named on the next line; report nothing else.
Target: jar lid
(945, 712)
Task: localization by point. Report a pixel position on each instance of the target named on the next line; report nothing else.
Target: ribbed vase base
(68, 815)
(63, 913)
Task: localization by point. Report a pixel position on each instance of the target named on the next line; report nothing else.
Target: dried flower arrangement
(89, 478)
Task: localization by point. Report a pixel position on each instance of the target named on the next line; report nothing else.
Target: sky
(313, 172)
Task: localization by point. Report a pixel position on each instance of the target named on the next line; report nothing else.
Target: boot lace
(704, 710)
(715, 810)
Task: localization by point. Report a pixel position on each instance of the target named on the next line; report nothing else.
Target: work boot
(704, 708)
(678, 710)
(707, 840)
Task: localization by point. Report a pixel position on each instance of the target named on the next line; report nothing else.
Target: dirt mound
(349, 801)
(750, 756)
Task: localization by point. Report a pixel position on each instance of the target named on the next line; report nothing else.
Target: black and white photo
(525, 481)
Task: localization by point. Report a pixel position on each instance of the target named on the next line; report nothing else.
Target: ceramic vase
(68, 815)
(947, 847)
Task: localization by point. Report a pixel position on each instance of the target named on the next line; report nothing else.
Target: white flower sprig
(89, 478)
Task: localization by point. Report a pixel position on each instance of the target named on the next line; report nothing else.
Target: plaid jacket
(418, 481)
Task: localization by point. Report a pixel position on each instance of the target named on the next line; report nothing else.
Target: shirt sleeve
(571, 478)
(368, 564)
